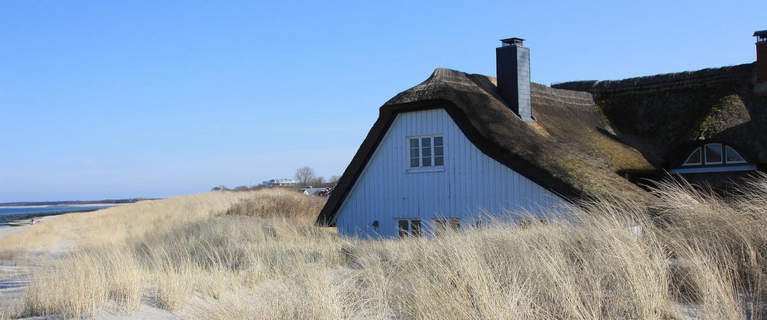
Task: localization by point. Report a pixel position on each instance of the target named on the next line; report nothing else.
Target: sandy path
(15, 272)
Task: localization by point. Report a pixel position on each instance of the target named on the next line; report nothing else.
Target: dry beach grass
(258, 255)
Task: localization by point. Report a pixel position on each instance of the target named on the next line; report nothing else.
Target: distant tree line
(305, 177)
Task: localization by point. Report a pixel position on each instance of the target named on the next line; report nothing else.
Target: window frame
(432, 150)
(445, 225)
(411, 231)
(707, 166)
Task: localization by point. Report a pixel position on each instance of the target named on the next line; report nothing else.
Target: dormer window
(714, 157)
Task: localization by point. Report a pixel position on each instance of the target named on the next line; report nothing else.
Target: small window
(713, 153)
(443, 224)
(733, 156)
(694, 159)
(404, 228)
(415, 228)
(714, 157)
(426, 152)
(409, 228)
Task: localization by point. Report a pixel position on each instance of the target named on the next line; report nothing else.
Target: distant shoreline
(71, 203)
(88, 204)
(27, 216)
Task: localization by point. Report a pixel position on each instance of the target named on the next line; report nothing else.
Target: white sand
(15, 271)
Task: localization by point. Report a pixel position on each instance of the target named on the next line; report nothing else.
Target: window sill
(425, 169)
(704, 169)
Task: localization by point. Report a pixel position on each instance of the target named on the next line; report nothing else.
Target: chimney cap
(761, 34)
(514, 41)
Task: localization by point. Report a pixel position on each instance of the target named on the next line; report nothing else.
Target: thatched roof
(571, 150)
(661, 115)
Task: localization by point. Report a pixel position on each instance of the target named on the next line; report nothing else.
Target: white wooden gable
(470, 186)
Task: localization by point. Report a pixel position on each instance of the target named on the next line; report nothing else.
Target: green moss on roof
(660, 120)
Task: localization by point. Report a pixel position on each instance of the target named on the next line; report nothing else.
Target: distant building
(280, 183)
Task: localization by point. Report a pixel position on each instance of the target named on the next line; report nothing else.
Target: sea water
(25, 210)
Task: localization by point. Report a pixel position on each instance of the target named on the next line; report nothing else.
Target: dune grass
(115, 224)
(258, 255)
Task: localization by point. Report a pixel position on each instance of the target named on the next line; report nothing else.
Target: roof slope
(571, 149)
(660, 115)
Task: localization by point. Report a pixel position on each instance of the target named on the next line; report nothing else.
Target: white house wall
(471, 185)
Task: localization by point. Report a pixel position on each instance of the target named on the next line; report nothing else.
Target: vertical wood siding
(471, 186)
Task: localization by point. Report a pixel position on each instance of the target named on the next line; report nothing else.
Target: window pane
(414, 162)
(713, 153)
(426, 142)
(733, 156)
(415, 228)
(438, 161)
(426, 151)
(427, 162)
(437, 141)
(437, 150)
(414, 153)
(403, 228)
(414, 143)
(694, 158)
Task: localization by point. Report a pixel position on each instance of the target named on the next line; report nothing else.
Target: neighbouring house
(459, 148)
(280, 183)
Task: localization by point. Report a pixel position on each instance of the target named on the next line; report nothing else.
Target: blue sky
(121, 99)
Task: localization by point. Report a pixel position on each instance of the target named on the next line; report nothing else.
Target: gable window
(426, 152)
(409, 228)
(442, 225)
(714, 157)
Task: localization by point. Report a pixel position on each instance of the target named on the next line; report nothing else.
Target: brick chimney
(513, 73)
(761, 55)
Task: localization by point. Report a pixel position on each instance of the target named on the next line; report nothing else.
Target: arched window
(714, 157)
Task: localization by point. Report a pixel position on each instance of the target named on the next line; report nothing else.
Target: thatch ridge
(664, 81)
